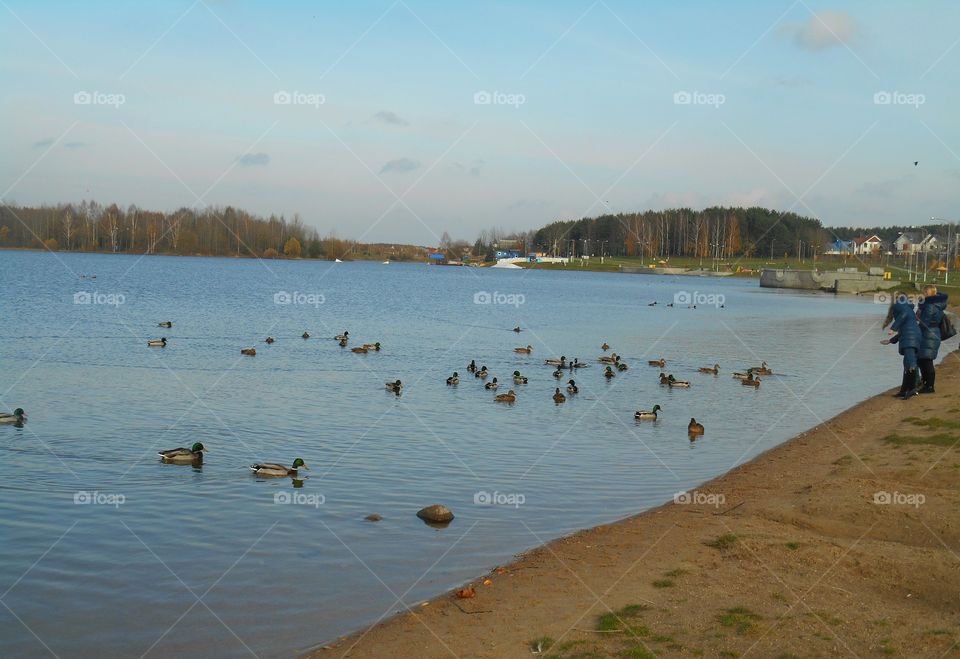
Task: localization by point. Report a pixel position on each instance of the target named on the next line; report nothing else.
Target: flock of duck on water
(612, 365)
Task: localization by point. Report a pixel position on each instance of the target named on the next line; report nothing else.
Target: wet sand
(804, 557)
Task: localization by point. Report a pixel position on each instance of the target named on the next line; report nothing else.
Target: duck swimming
(372, 346)
(269, 339)
(396, 387)
(519, 379)
(18, 416)
(763, 369)
(605, 346)
(558, 373)
(658, 362)
(165, 323)
(556, 362)
(711, 371)
(572, 387)
(343, 343)
(558, 397)
(359, 349)
(612, 358)
(621, 366)
(184, 455)
(472, 366)
(306, 335)
(694, 428)
(482, 373)
(664, 378)
(454, 379)
(508, 397)
(342, 337)
(517, 329)
(157, 343)
(751, 382)
(526, 350)
(608, 373)
(678, 384)
(744, 376)
(492, 385)
(645, 415)
(278, 470)
(248, 351)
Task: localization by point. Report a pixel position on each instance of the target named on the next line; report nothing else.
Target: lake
(108, 551)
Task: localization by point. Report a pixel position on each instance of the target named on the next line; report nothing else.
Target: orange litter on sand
(487, 582)
(466, 593)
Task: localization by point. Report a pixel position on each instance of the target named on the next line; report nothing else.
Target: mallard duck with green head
(492, 385)
(184, 455)
(278, 470)
(572, 387)
(621, 367)
(556, 362)
(519, 379)
(372, 346)
(18, 416)
(453, 379)
(342, 337)
(396, 386)
(647, 415)
(677, 384)
(158, 343)
(609, 373)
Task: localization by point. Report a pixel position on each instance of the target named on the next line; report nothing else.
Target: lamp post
(950, 244)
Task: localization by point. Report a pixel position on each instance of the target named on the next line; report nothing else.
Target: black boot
(908, 388)
(929, 373)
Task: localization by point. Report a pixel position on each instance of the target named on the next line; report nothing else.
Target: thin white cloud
(254, 160)
(823, 30)
(390, 118)
(400, 165)
(39, 144)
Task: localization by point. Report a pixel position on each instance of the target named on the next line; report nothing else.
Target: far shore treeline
(717, 232)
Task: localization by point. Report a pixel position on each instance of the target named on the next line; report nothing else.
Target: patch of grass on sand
(940, 439)
(740, 618)
(617, 621)
(933, 422)
(663, 638)
(663, 583)
(722, 542)
(843, 461)
(793, 546)
(538, 645)
(729, 654)
(677, 572)
(828, 618)
(566, 646)
(637, 652)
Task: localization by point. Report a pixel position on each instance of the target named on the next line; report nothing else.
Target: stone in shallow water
(373, 518)
(435, 513)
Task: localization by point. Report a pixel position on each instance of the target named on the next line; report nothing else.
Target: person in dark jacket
(929, 314)
(907, 337)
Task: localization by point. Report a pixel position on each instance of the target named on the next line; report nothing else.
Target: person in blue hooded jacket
(929, 314)
(907, 337)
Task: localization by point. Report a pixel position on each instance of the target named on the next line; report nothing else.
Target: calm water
(204, 561)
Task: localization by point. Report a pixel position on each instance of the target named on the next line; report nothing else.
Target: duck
(158, 343)
(359, 349)
(165, 323)
(519, 379)
(275, 469)
(18, 416)
(492, 385)
(342, 337)
(248, 351)
(184, 455)
(526, 351)
(711, 371)
(652, 304)
(454, 379)
(576, 363)
(763, 369)
(508, 397)
(558, 373)
(517, 329)
(558, 397)
(395, 386)
(343, 343)
(694, 428)
(482, 373)
(608, 373)
(621, 366)
(472, 366)
(658, 362)
(664, 378)
(605, 346)
(612, 358)
(306, 335)
(744, 376)
(572, 387)
(751, 382)
(372, 346)
(644, 415)
(269, 339)
(675, 383)
(556, 362)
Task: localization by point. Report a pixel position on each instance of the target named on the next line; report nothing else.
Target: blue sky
(385, 139)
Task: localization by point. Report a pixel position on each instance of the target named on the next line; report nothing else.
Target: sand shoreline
(801, 558)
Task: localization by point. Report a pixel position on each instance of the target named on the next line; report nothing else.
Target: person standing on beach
(907, 337)
(929, 314)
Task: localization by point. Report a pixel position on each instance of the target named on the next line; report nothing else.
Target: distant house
(507, 254)
(867, 245)
(840, 247)
(915, 242)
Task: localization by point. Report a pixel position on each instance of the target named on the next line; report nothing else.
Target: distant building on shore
(915, 242)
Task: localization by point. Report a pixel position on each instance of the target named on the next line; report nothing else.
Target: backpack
(947, 329)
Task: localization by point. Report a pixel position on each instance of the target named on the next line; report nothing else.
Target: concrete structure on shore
(662, 270)
(844, 280)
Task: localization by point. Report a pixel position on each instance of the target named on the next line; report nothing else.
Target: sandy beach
(842, 541)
